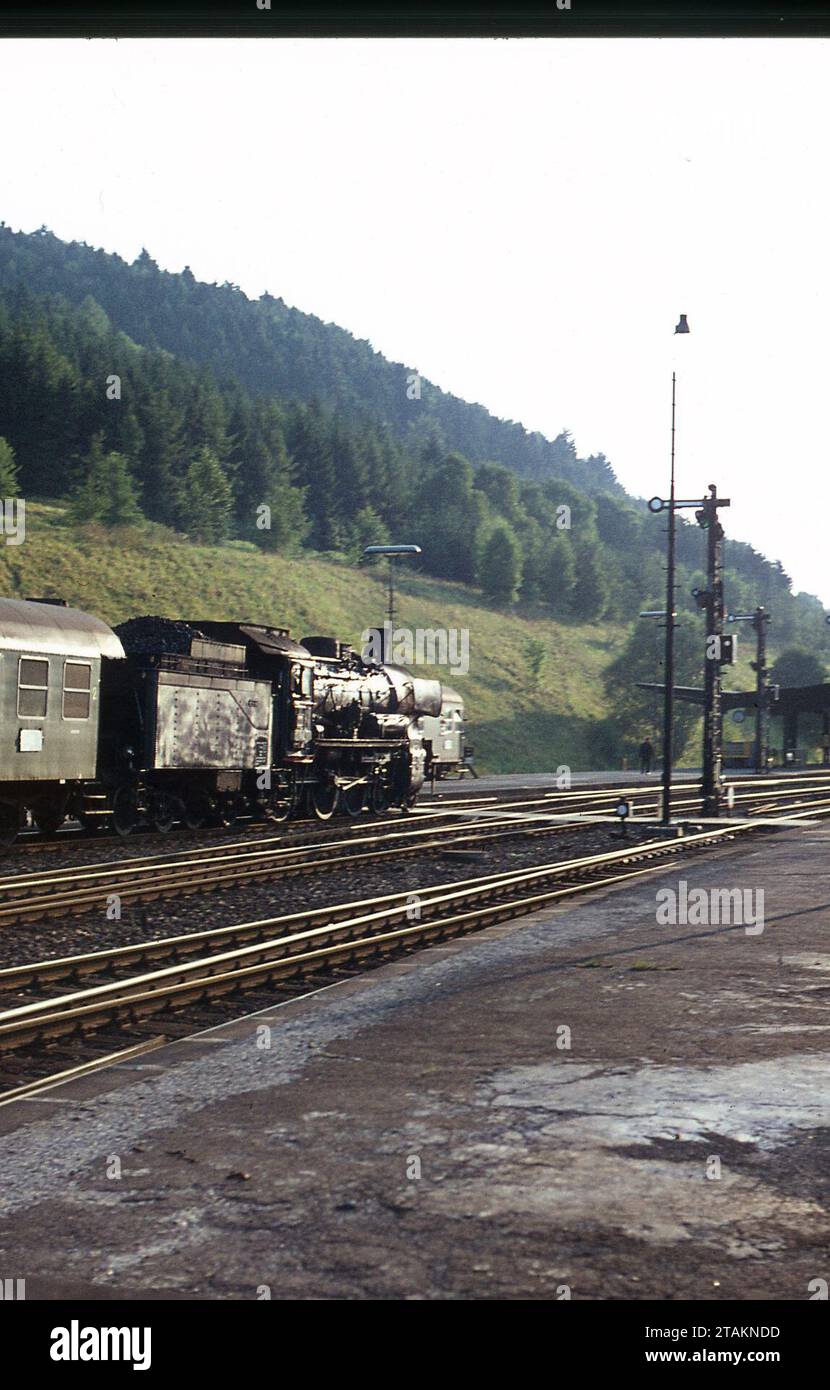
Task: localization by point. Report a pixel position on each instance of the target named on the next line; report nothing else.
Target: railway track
(51, 1004)
(85, 888)
(211, 965)
(597, 796)
(30, 897)
(71, 836)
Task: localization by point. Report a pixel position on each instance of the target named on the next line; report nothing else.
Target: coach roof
(50, 628)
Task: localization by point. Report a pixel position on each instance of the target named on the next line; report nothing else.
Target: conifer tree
(559, 573)
(206, 500)
(106, 493)
(9, 482)
(502, 566)
(591, 592)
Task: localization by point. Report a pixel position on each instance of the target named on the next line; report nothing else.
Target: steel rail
(191, 879)
(171, 860)
(18, 976)
(275, 844)
(211, 869)
(151, 992)
(32, 896)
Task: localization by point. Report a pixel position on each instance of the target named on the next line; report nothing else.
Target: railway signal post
(719, 651)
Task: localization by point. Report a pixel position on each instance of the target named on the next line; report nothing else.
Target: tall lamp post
(668, 705)
(668, 698)
(394, 552)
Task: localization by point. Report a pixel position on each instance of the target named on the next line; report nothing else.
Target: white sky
(520, 220)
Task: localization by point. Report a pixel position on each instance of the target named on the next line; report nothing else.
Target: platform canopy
(795, 699)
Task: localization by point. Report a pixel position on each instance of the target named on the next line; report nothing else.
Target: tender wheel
(352, 800)
(324, 798)
(165, 812)
(194, 812)
(225, 811)
(281, 805)
(9, 825)
(124, 811)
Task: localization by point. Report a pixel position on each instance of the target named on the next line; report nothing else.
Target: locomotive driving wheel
(324, 798)
(164, 812)
(378, 798)
(353, 798)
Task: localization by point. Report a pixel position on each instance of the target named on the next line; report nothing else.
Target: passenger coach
(50, 669)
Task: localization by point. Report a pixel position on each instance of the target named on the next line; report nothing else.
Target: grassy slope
(121, 574)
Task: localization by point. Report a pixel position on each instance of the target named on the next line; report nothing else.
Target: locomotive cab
(294, 695)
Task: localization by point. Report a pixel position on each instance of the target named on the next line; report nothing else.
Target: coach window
(32, 687)
(77, 681)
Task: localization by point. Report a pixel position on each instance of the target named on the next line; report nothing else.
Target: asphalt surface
(588, 1103)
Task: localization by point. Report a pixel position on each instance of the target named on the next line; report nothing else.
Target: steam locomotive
(159, 721)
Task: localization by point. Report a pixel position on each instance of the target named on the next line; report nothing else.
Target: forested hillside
(136, 393)
(273, 350)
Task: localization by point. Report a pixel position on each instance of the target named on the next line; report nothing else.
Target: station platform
(585, 1103)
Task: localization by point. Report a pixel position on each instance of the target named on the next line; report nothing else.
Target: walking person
(646, 754)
